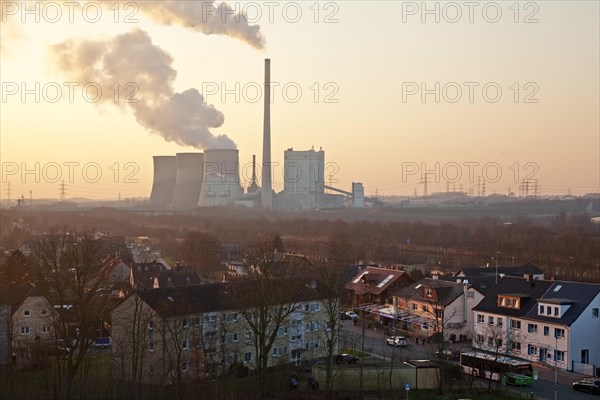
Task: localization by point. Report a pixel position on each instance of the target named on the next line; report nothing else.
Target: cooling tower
(189, 180)
(221, 183)
(165, 175)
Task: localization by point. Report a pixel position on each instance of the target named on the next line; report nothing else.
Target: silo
(189, 180)
(165, 176)
(221, 182)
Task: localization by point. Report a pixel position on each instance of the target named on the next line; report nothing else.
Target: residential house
(434, 306)
(30, 325)
(374, 285)
(520, 271)
(564, 327)
(154, 275)
(499, 319)
(170, 335)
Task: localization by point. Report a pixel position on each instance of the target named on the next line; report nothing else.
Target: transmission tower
(62, 191)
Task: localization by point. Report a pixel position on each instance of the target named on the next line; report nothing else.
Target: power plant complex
(189, 180)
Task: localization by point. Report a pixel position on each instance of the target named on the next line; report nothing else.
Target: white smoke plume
(206, 17)
(131, 60)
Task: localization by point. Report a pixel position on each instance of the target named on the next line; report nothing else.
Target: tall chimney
(266, 196)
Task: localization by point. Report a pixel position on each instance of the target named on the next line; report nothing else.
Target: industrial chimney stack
(266, 197)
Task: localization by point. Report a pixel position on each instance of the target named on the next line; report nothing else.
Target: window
(312, 307)
(480, 319)
(210, 318)
(490, 320)
(248, 337)
(516, 346)
(515, 324)
(185, 323)
(509, 303)
(247, 357)
(45, 329)
(490, 341)
(45, 312)
(231, 317)
(479, 338)
(231, 337)
(556, 311)
(150, 325)
(499, 321)
(282, 331)
(294, 338)
(428, 292)
(414, 306)
(548, 310)
(532, 350)
(498, 342)
(532, 328)
(151, 368)
(559, 355)
(594, 313)
(184, 367)
(558, 332)
(546, 331)
(280, 351)
(185, 344)
(541, 311)
(424, 308)
(25, 330)
(27, 313)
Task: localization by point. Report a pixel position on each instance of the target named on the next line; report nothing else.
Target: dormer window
(508, 302)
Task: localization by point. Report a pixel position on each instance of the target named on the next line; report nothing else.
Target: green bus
(492, 366)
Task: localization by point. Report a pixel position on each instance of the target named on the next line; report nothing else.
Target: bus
(492, 366)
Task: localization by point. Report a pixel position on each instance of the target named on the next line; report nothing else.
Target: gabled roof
(527, 290)
(446, 290)
(521, 270)
(579, 295)
(375, 280)
(15, 294)
(482, 283)
(212, 297)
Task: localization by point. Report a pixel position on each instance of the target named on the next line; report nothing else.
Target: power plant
(212, 178)
(189, 180)
(165, 178)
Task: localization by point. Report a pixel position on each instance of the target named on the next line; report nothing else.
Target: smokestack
(165, 175)
(253, 188)
(266, 196)
(221, 182)
(189, 180)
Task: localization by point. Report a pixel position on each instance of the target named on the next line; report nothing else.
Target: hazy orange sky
(361, 68)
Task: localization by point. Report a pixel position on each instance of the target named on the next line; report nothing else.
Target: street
(374, 342)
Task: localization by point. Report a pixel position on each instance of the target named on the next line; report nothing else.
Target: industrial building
(209, 179)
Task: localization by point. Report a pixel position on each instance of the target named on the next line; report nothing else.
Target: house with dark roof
(193, 332)
(154, 275)
(374, 285)
(564, 327)
(435, 306)
(26, 322)
(549, 322)
(520, 271)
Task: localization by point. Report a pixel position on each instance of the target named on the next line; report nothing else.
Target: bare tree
(265, 300)
(70, 272)
(332, 276)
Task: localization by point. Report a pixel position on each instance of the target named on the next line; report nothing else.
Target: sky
(394, 92)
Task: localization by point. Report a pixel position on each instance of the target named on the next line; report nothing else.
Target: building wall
(193, 347)
(5, 328)
(585, 334)
(304, 179)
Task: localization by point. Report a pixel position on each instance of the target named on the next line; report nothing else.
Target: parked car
(588, 385)
(346, 359)
(345, 316)
(398, 341)
(352, 314)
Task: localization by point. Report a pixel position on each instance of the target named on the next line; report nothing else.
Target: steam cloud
(206, 17)
(183, 118)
